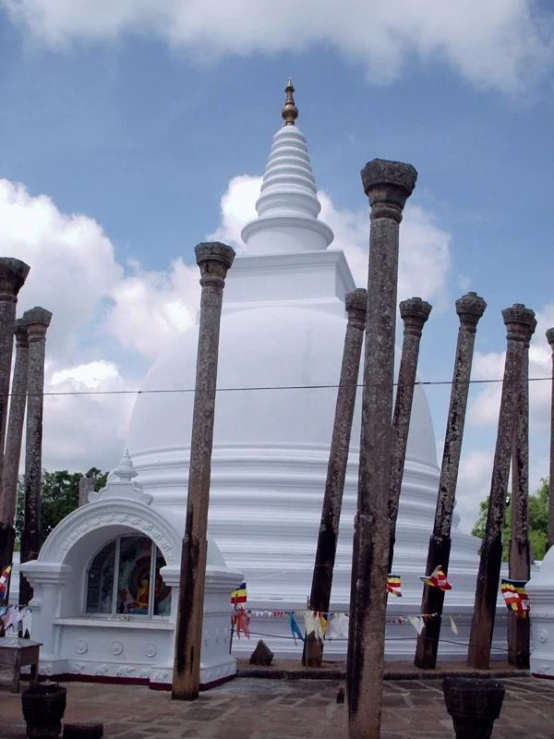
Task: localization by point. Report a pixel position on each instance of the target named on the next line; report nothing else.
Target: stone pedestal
(43, 709)
(474, 705)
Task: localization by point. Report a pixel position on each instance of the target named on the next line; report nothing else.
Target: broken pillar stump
(474, 705)
(262, 655)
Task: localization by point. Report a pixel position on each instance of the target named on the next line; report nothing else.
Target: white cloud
(424, 247)
(498, 44)
(72, 261)
(74, 273)
(87, 425)
(152, 308)
(485, 406)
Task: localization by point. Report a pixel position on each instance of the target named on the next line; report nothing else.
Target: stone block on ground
(262, 655)
(83, 731)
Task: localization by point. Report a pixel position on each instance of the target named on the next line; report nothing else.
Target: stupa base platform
(293, 670)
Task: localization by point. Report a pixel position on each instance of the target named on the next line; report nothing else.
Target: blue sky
(141, 124)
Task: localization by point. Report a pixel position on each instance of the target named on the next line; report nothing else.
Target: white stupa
(282, 338)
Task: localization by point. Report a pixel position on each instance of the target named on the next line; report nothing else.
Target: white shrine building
(282, 337)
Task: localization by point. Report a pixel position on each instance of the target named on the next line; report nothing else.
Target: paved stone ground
(250, 708)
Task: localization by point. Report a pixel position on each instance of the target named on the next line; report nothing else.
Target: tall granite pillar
(519, 633)
(37, 320)
(414, 313)
(320, 596)
(550, 532)
(13, 273)
(470, 308)
(520, 324)
(387, 185)
(10, 474)
(214, 260)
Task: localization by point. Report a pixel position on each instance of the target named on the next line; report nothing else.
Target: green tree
(59, 497)
(538, 522)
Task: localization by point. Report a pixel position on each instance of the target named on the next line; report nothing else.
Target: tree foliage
(59, 497)
(538, 522)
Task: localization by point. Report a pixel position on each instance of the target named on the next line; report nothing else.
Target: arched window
(124, 578)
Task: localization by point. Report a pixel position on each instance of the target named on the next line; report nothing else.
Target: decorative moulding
(120, 484)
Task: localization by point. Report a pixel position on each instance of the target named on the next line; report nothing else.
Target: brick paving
(253, 708)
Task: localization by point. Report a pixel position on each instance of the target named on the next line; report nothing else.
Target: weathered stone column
(519, 634)
(414, 313)
(13, 273)
(470, 308)
(10, 475)
(320, 596)
(86, 486)
(550, 533)
(520, 322)
(37, 320)
(388, 185)
(214, 260)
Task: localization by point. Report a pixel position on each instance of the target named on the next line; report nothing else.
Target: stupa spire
(290, 111)
(288, 206)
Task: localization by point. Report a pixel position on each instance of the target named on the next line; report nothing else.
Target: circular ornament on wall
(117, 647)
(543, 636)
(81, 647)
(150, 650)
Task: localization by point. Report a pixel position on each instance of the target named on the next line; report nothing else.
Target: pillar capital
(550, 337)
(20, 332)
(520, 322)
(214, 260)
(37, 321)
(470, 308)
(388, 185)
(356, 307)
(13, 273)
(414, 312)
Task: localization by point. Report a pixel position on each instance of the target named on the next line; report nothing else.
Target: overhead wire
(261, 388)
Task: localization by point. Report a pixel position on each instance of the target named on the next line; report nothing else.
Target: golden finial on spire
(290, 111)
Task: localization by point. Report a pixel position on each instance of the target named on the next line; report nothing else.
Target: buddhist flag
(437, 579)
(515, 596)
(239, 595)
(394, 585)
(4, 580)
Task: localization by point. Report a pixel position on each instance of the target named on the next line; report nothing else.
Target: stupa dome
(281, 345)
(278, 374)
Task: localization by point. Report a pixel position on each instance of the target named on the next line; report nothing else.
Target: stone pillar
(10, 475)
(414, 313)
(13, 273)
(37, 320)
(86, 486)
(520, 323)
(520, 555)
(320, 596)
(214, 260)
(550, 533)
(388, 185)
(470, 308)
